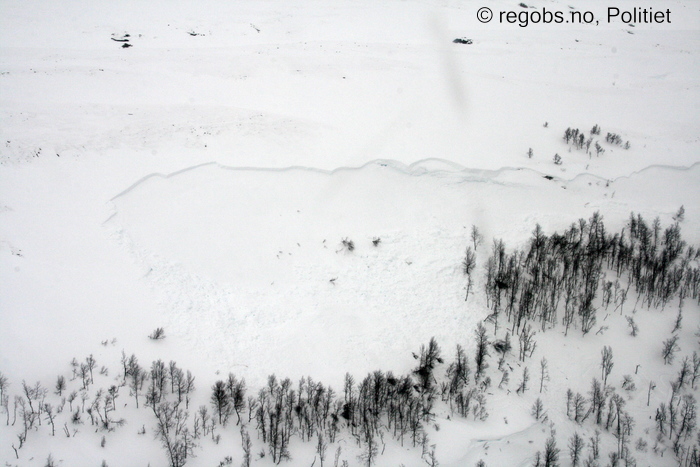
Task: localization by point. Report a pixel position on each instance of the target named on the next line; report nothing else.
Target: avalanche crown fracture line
(639, 15)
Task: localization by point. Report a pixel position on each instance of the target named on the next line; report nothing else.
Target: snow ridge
(421, 167)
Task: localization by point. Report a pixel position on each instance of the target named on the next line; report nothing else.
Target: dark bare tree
(457, 374)
(321, 446)
(246, 444)
(576, 445)
(136, 376)
(527, 342)
(475, 234)
(598, 399)
(468, 264)
(176, 377)
(670, 347)
(634, 329)
(4, 397)
(188, 388)
(50, 417)
(544, 373)
(60, 385)
(523, 384)
(684, 374)
(687, 417)
(551, 453)
(598, 149)
(428, 359)
(680, 215)
(159, 381)
(220, 401)
(173, 433)
(482, 351)
(538, 411)
(606, 363)
(91, 363)
(594, 445)
(579, 408)
(678, 323)
(236, 394)
(157, 334)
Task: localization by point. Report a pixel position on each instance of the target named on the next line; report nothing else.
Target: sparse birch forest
(562, 286)
(358, 233)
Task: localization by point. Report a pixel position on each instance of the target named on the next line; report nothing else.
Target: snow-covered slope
(241, 256)
(203, 179)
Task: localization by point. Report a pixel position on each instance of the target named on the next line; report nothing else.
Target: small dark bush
(157, 334)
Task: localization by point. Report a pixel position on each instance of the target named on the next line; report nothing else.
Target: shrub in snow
(481, 351)
(613, 138)
(576, 445)
(670, 347)
(468, 264)
(523, 385)
(679, 320)
(428, 359)
(503, 346)
(598, 149)
(544, 373)
(680, 215)
(551, 452)
(606, 363)
(627, 383)
(634, 329)
(538, 411)
(476, 236)
(348, 244)
(157, 334)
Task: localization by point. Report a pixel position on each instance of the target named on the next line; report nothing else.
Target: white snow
(204, 183)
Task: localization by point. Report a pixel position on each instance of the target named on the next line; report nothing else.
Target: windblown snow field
(204, 178)
(242, 257)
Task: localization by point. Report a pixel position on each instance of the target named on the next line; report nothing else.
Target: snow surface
(204, 183)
